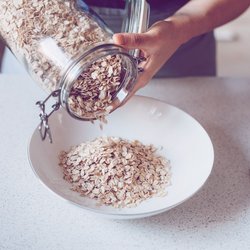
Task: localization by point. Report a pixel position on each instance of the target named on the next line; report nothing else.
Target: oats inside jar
(93, 92)
(47, 34)
(115, 171)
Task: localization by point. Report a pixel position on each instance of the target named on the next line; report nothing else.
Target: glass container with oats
(67, 49)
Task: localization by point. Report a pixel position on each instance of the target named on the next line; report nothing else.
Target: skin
(163, 38)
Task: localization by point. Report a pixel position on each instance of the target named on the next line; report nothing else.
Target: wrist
(166, 30)
(181, 27)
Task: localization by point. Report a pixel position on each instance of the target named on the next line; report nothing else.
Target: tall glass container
(68, 51)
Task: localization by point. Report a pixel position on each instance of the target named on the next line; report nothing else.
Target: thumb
(131, 40)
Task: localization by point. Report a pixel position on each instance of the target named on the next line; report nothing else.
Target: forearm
(163, 38)
(201, 16)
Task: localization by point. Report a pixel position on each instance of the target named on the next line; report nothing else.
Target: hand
(157, 45)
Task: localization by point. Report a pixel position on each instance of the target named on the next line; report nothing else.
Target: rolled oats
(92, 94)
(115, 171)
(46, 36)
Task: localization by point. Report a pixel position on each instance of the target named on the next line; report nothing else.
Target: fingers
(131, 40)
(150, 68)
(142, 79)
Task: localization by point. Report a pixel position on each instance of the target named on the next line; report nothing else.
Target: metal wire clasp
(44, 117)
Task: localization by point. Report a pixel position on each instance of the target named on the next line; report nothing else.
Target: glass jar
(67, 49)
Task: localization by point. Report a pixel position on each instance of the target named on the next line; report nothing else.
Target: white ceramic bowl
(185, 143)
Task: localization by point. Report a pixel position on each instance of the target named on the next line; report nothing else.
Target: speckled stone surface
(217, 217)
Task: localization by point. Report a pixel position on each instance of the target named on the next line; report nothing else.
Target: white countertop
(217, 217)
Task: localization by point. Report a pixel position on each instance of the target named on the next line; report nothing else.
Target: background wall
(233, 47)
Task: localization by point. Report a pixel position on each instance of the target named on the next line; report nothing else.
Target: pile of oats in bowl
(115, 171)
